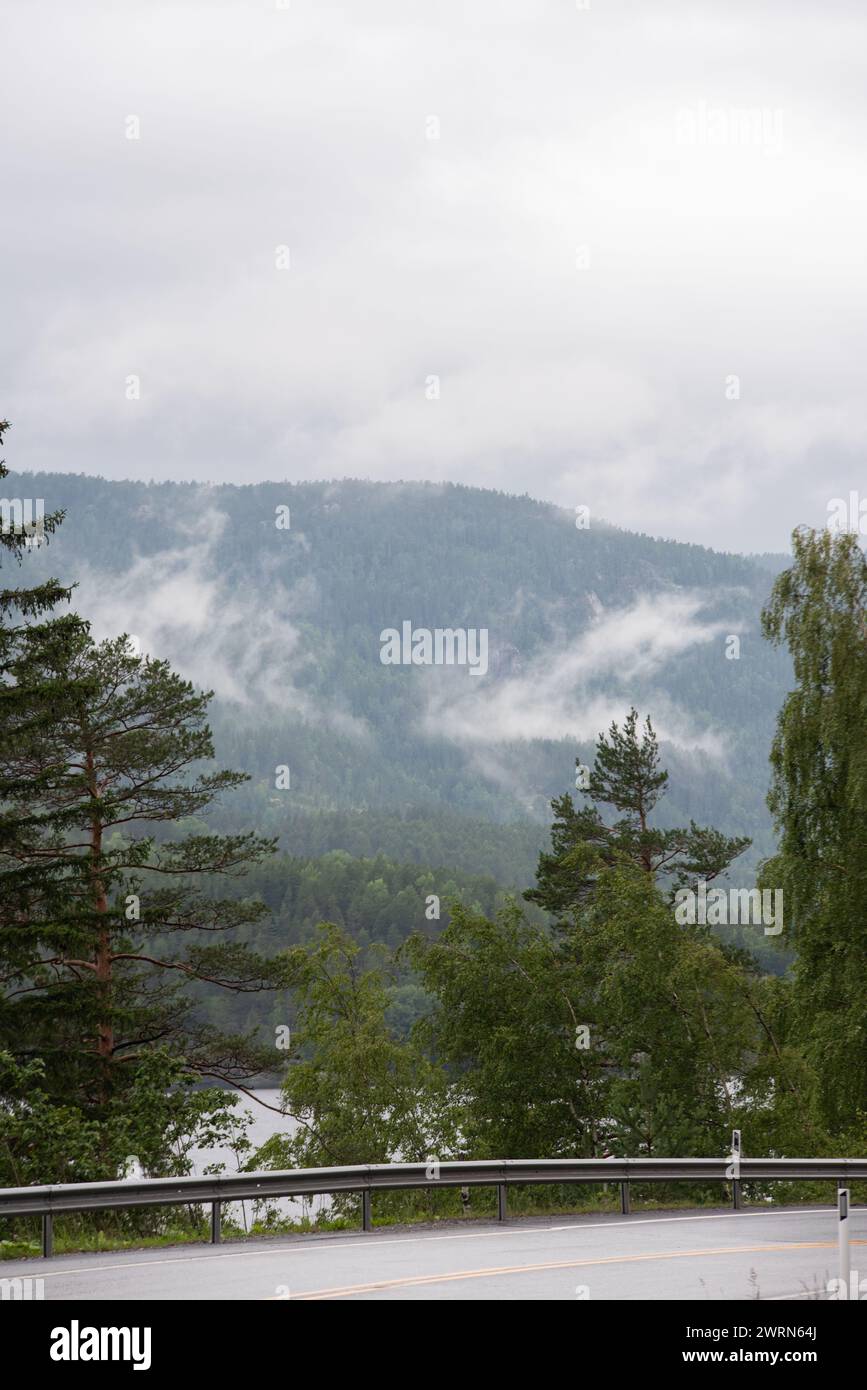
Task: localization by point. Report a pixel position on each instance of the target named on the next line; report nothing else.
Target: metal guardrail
(366, 1179)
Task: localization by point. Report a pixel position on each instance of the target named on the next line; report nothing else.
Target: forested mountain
(276, 595)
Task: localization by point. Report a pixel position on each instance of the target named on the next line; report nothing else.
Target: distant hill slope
(285, 622)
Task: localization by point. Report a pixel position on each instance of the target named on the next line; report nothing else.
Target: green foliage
(626, 776)
(819, 802)
(358, 1093)
(435, 839)
(377, 902)
(625, 1032)
(163, 1118)
(506, 1010)
(102, 924)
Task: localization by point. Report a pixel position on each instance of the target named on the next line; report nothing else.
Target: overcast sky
(634, 257)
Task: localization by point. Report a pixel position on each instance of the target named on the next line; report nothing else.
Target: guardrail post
(366, 1212)
(216, 1223)
(501, 1201)
(737, 1155)
(843, 1241)
(47, 1235)
(625, 1204)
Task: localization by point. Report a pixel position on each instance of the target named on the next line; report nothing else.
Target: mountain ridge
(285, 624)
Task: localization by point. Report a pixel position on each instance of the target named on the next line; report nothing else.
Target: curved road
(778, 1254)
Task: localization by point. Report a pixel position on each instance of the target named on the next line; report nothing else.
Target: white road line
(328, 1246)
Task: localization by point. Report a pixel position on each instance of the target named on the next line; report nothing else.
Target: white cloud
(215, 633)
(558, 128)
(574, 689)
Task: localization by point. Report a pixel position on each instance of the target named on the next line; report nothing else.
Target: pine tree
(22, 609)
(108, 935)
(627, 776)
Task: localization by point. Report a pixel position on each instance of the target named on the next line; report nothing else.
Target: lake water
(264, 1124)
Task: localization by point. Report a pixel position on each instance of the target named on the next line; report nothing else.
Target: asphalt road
(777, 1254)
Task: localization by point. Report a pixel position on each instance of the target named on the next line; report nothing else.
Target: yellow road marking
(416, 1279)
